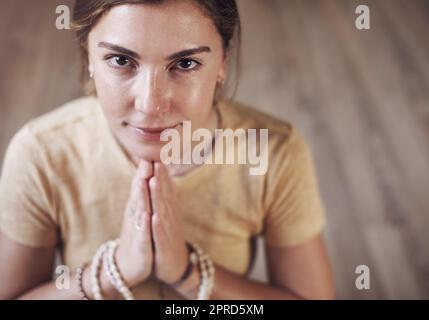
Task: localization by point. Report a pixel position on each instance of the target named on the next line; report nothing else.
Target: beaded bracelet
(112, 271)
(210, 276)
(187, 271)
(95, 272)
(207, 270)
(79, 275)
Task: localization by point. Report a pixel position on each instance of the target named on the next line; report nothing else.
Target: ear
(223, 71)
(91, 70)
(90, 64)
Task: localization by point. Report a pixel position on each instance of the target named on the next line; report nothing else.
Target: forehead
(154, 28)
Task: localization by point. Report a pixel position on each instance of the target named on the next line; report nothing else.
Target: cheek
(196, 99)
(113, 95)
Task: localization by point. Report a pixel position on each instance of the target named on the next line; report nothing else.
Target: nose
(151, 94)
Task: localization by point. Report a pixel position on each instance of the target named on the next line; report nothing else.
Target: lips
(154, 129)
(150, 134)
(159, 129)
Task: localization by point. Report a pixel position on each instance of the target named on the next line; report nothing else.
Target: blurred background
(360, 97)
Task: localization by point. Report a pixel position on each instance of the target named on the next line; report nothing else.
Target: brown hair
(224, 14)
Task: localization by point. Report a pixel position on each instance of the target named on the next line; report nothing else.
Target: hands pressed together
(152, 239)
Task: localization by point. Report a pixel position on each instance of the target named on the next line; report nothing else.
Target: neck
(182, 169)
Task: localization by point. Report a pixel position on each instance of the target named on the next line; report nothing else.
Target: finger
(156, 196)
(143, 227)
(144, 172)
(132, 200)
(139, 201)
(161, 172)
(162, 220)
(145, 169)
(157, 231)
(134, 208)
(158, 223)
(169, 192)
(143, 196)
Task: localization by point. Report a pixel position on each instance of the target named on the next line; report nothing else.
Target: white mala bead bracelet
(105, 256)
(207, 271)
(95, 272)
(112, 270)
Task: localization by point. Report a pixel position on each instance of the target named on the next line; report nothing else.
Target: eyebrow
(132, 54)
(188, 52)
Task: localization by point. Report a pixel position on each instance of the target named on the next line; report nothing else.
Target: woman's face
(154, 67)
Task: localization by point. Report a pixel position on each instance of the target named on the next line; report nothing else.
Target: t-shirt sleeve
(294, 212)
(27, 214)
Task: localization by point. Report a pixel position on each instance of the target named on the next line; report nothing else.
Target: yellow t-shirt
(65, 181)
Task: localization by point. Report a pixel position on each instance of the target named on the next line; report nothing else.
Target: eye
(186, 65)
(120, 62)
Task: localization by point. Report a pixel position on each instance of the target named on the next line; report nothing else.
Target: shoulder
(68, 122)
(241, 115)
(51, 139)
(69, 116)
(284, 137)
(43, 155)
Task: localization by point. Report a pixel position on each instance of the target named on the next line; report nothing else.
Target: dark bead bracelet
(187, 272)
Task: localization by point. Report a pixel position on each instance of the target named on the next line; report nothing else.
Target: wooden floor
(361, 98)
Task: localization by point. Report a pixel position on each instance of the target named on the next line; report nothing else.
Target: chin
(147, 152)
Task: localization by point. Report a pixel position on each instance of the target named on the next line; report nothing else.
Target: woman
(91, 171)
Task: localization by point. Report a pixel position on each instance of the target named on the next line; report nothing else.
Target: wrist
(109, 291)
(189, 287)
(187, 269)
(131, 278)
